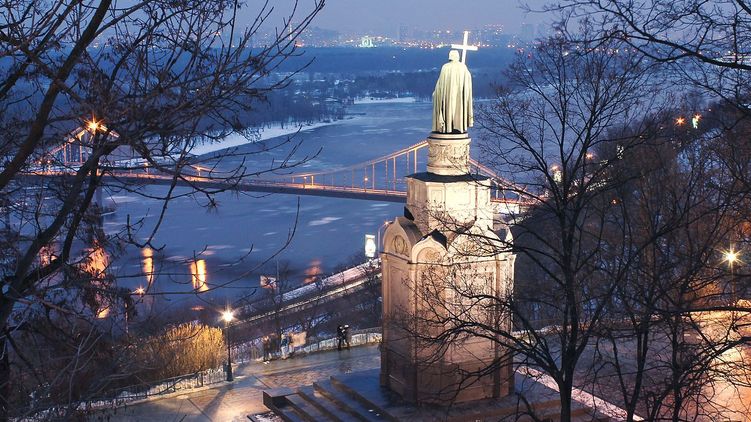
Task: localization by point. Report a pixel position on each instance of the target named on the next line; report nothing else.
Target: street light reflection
(198, 274)
(148, 264)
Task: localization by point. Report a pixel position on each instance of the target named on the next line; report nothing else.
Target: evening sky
(386, 16)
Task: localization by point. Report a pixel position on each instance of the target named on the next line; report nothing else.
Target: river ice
(247, 229)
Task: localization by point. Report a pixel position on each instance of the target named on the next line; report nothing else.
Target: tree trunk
(4, 380)
(565, 395)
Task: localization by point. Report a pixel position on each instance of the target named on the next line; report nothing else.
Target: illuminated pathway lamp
(227, 316)
(731, 257)
(370, 246)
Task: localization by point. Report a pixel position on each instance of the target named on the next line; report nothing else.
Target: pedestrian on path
(342, 335)
(266, 349)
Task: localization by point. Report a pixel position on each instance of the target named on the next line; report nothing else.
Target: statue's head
(454, 55)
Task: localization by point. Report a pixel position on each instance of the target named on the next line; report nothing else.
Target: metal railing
(246, 352)
(144, 391)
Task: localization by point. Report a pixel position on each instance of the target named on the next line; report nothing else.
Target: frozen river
(223, 249)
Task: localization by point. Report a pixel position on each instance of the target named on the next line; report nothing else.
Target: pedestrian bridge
(380, 179)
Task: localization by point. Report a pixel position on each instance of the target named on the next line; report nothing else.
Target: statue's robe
(452, 99)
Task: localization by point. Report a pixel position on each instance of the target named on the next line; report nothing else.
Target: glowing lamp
(730, 256)
(227, 316)
(93, 125)
(370, 246)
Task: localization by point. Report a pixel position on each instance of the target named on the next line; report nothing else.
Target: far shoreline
(264, 133)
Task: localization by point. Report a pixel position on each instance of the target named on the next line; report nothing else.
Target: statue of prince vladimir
(452, 98)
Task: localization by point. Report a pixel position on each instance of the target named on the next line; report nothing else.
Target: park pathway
(235, 401)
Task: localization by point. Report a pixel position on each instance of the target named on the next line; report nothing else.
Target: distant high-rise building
(543, 30)
(528, 32)
(319, 37)
(492, 35)
(403, 33)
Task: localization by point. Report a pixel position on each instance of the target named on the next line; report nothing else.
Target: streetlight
(730, 256)
(695, 121)
(227, 316)
(557, 174)
(92, 125)
(370, 246)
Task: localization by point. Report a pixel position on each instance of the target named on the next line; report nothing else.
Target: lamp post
(227, 317)
(140, 291)
(730, 256)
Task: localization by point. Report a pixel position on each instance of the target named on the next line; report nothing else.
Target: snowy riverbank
(236, 139)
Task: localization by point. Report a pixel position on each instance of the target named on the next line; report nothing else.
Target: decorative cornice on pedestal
(448, 136)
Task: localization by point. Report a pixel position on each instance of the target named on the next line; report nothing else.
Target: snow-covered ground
(236, 139)
(373, 100)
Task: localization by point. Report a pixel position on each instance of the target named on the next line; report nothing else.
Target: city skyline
(388, 16)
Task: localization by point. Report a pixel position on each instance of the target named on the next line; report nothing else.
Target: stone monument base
(359, 397)
(448, 154)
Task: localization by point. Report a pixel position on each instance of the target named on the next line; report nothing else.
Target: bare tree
(559, 107)
(668, 328)
(103, 81)
(705, 44)
(621, 289)
(563, 107)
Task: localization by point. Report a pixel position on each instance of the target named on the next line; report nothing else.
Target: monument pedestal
(445, 239)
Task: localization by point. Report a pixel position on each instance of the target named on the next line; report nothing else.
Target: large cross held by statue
(464, 47)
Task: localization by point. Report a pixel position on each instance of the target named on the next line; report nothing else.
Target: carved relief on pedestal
(430, 256)
(400, 245)
(448, 154)
(458, 153)
(436, 154)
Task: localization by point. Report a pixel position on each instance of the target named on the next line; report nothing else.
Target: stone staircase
(358, 397)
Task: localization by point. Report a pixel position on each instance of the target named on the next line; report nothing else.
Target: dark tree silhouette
(92, 88)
